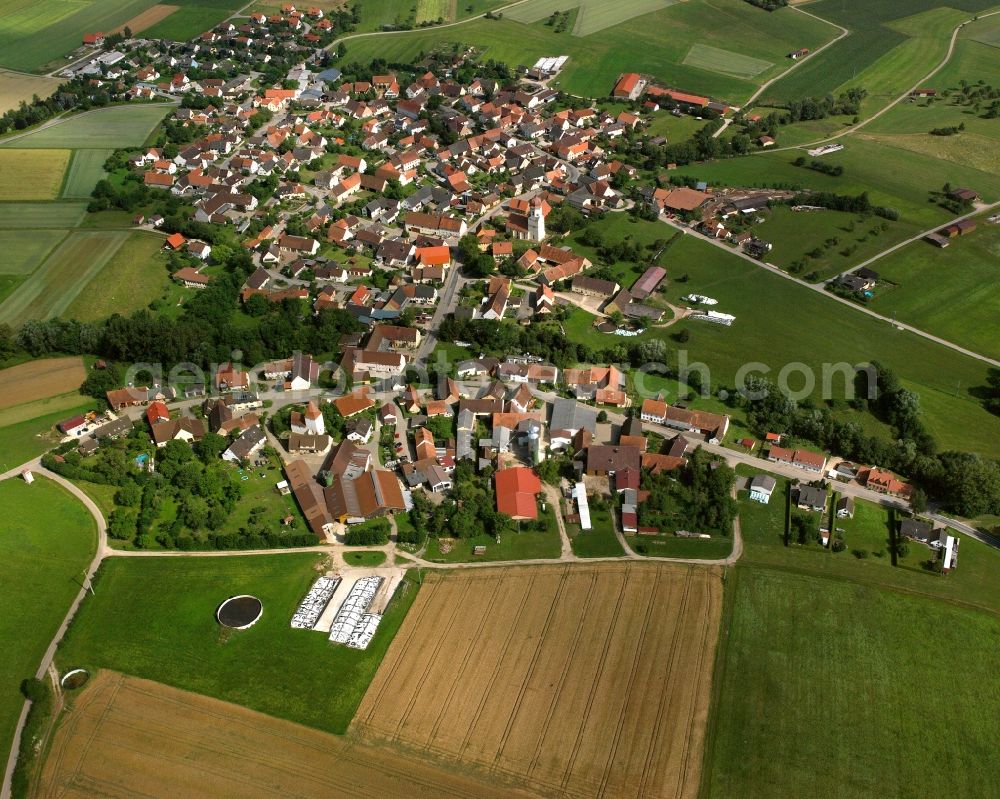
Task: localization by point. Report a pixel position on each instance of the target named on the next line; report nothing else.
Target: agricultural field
(177, 739)
(432, 10)
(35, 175)
(844, 240)
(953, 292)
(17, 87)
(147, 19)
(779, 322)
(131, 279)
(596, 677)
(120, 629)
(714, 59)
(190, 19)
(24, 250)
(892, 43)
(632, 45)
(60, 279)
(826, 688)
(35, 380)
(592, 16)
(104, 129)
(377, 15)
(39, 216)
(28, 430)
(85, 170)
(35, 36)
(46, 541)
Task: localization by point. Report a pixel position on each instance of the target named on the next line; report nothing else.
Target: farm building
(629, 87)
(516, 489)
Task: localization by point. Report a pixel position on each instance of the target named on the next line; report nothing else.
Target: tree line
(965, 483)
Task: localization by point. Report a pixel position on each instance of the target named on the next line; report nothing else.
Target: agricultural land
(134, 643)
(18, 87)
(46, 542)
(796, 649)
(582, 691)
(34, 36)
(235, 752)
(627, 36)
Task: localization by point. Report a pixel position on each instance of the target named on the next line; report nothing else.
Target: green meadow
(827, 688)
(634, 45)
(176, 639)
(892, 44)
(953, 292)
(779, 322)
(46, 542)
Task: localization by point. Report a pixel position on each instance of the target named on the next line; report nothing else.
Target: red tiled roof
(516, 489)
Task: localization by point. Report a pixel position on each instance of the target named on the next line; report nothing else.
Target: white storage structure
(314, 603)
(354, 608)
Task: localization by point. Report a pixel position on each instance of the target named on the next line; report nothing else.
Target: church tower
(536, 221)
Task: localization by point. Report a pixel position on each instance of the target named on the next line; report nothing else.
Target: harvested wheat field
(147, 19)
(37, 380)
(126, 737)
(576, 681)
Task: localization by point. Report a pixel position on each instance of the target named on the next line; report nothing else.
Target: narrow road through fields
(49, 656)
(922, 82)
(820, 288)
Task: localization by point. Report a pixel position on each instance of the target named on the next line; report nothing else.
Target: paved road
(919, 84)
(800, 61)
(820, 287)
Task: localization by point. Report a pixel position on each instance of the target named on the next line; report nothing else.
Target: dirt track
(127, 737)
(36, 380)
(577, 681)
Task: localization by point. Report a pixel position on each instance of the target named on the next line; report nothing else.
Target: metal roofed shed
(580, 495)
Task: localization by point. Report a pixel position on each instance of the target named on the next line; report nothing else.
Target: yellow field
(36, 380)
(574, 681)
(32, 174)
(147, 18)
(126, 737)
(15, 87)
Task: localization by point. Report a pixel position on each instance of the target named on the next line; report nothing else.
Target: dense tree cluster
(856, 204)
(196, 485)
(77, 94)
(698, 499)
(965, 483)
(468, 512)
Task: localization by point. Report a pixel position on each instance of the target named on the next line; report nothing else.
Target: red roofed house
(516, 489)
(176, 241)
(434, 256)
(96, 39)
(157, 412)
